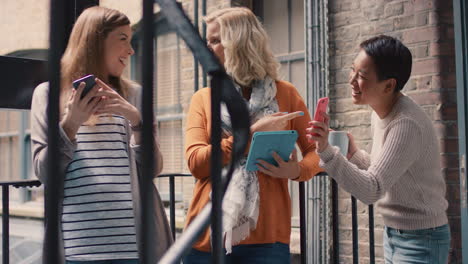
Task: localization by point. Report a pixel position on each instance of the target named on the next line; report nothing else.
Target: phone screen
(90, 82)
(322, 105)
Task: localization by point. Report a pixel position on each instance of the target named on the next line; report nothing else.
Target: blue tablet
(263, 143)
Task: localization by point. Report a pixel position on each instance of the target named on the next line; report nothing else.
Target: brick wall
(426, 27)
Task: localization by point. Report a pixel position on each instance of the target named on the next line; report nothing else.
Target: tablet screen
(263, 143)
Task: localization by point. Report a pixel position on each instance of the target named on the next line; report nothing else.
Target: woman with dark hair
(403, 172)
(99, 137)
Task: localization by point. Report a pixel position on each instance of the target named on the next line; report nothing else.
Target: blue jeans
(115, 261)
(417, 246)
(277, 253)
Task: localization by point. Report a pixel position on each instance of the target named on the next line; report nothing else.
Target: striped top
(98, 219)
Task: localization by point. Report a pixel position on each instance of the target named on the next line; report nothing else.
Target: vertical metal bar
(172, 205)
(195, 60)
(326, 220)
(217, 192)
(303, 226)
(460, 16)
(371, 235)
(146, 182)
(336, 241)
(205, 78)
(309, 213)
(355, 230)
(5, 224)
(53, 184)
(325, 216)
(316, 220)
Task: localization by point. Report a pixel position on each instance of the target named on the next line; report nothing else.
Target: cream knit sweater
(402, 174)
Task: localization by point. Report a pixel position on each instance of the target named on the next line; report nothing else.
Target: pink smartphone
(322, 105)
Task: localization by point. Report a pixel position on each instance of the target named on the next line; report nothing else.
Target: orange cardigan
(274, 221)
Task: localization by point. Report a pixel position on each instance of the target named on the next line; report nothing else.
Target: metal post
(355, 230)
(371, 235)
(5, 224)
(303, 226)
(460, 17)
(205, 78)
(195, 60)
(172, 205)
(146, 183)
(215, 172)
(54, 183)
(336, 242)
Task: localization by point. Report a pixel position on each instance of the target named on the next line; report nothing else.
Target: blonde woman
(99, 142)
(257, 207)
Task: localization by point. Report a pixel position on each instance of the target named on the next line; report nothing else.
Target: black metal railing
(6, 213)
(172, 217)
(355, 228)
(36, 183)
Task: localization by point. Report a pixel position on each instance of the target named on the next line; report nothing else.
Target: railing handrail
(36, 183)
(21, 183)
(167, 175)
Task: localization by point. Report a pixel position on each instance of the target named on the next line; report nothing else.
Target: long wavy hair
(247, 52)
(85, 50)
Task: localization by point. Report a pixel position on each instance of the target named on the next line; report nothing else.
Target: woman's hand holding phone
(318, 132)
(79, 110)
(318, 128)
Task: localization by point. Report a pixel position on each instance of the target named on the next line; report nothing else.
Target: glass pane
(284, 72)
(294, 193)
(25, 27)
(298, 77)
(132, 9)
(276, 24)
(171, 145)
(168, 74)
(297, 25)
(170, 134)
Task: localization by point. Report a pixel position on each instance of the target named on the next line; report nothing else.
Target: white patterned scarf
(241, 201)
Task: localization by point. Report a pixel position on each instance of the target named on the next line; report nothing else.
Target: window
(167, 102)
(15, 147)
(286, 32)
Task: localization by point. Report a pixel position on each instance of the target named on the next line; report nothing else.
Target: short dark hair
(391, 58)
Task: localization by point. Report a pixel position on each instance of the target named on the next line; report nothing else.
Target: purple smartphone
(90, 82)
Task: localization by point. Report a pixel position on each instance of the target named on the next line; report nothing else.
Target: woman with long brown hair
(99, 142)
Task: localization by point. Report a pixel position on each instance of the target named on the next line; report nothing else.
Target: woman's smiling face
(365, 85)
(117, 50)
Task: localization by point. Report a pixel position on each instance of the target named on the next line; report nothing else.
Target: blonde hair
(247, 52)
(85, 50)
